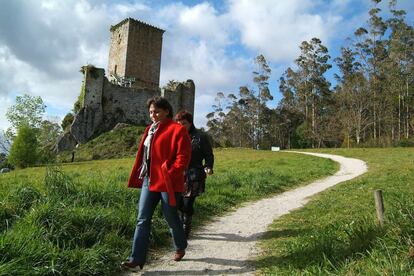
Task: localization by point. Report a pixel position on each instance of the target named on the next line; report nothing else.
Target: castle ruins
(132, 78)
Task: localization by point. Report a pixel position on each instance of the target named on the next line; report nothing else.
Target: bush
(67, 121)
(405, 143)
(23, 152)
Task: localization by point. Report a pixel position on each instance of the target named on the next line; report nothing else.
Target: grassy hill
(117, 143)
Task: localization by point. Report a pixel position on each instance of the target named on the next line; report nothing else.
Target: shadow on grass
(329, 248)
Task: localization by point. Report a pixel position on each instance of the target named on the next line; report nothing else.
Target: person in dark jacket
(201, 165)
(161, 161)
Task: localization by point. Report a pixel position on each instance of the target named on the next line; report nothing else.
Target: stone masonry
(135, 54)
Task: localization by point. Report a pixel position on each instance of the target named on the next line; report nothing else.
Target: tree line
(370, 105)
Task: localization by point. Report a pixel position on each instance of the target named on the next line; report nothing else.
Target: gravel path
(225, 245)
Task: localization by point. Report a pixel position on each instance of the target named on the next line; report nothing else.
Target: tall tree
(48, 134)
(370, 47)
(352, 97)
(28, 110)
(215, 119)
(289, 110)
(400, 66)
(261, 79)
(311, 87)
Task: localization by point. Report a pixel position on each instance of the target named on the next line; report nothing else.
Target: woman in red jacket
(163, 155)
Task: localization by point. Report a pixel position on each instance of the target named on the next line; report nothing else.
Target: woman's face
(157, 114)
(185, 123)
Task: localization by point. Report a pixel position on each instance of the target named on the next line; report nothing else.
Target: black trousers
(187, 205)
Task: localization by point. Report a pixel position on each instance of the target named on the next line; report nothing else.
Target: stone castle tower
(135, 53)
(132, 78)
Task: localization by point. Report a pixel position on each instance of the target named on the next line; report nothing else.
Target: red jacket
(170, 156)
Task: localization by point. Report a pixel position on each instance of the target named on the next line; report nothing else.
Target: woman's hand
(208, 171)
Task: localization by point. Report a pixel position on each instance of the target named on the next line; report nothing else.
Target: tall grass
(79, 219)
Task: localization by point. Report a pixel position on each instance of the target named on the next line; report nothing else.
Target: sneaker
(179, 254)
(132, 266)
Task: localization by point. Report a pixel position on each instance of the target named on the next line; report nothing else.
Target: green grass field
(78, 219)
(337, 232)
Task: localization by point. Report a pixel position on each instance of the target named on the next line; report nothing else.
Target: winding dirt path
(224, 246)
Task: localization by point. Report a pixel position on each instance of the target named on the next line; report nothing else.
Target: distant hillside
(4, 146)
(117, 143)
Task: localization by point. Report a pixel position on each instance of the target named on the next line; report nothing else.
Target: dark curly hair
(160, 102)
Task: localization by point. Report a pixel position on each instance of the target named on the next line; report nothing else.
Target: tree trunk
(399, 117)
(407, 128)
(375, 114)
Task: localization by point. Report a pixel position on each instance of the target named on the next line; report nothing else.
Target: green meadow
(337, 232)
(79, 218)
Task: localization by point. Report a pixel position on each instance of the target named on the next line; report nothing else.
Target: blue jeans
(147, 203)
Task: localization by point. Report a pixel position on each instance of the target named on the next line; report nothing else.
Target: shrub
(23, 152)
(67, 121)
(405, 143)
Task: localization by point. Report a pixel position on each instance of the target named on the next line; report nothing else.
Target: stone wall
(144, 54)
(92, 85)
(125, 105)
(118, 50)
(106, 104)
(182, 97)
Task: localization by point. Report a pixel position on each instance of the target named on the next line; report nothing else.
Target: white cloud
(44, 43)
(276, 28)
(203, 21)
(194, 48)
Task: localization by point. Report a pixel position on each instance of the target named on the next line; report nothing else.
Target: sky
(44, 43)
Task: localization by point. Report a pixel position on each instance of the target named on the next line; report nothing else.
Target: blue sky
(43, 43)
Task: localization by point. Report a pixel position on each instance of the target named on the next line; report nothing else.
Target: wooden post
(379, 206)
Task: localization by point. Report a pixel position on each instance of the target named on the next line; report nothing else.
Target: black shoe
(132, 266)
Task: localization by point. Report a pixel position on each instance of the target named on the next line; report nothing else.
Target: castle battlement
(114, 27)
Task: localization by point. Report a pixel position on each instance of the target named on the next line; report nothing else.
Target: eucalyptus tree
(370, 46)
(288, 110)
(311, 86)
(400, 68)
(215, 120)
(237, 121)
(249, 104)
(351, 97)
(261, 79)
